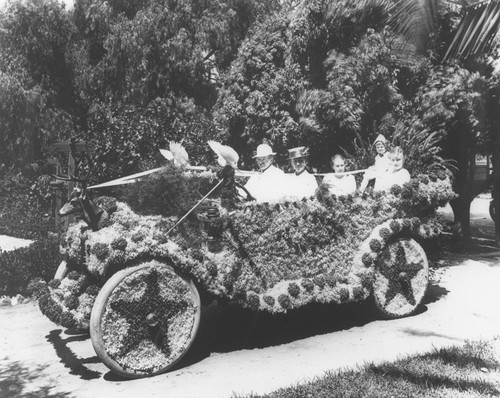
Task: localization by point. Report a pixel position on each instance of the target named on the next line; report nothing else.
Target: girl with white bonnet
(381, 166)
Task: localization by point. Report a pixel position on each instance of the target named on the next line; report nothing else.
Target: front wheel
(401, 278)
(144, 320)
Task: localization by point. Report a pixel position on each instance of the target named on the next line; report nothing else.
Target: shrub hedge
(25, 205)
(18, 267)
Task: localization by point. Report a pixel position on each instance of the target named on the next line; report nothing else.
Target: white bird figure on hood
(226, 154)
(177, 154)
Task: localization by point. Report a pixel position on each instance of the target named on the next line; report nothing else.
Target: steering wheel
(248, 196)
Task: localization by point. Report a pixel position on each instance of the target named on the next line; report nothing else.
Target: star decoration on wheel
(148, 316)
(399, 272)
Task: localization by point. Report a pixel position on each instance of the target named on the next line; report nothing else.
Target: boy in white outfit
(397, 175)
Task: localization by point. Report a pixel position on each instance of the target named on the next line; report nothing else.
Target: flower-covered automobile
(139, 283)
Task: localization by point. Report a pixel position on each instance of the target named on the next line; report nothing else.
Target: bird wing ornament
(167, 154)
(176, 154)
(181, 157)
(226, 154)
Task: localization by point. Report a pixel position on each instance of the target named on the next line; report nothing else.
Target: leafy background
(128, 78)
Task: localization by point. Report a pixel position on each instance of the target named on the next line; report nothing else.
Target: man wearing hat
(382, 163)
(267, 186)
(301, 184)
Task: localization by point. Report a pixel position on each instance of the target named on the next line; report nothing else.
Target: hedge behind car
(18, 267)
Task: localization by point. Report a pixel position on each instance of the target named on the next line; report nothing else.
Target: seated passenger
(397, 175)
(338, 183)
(267, 186)
(381, 166)
(300, 184)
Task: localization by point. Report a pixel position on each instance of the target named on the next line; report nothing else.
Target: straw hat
(299, 152)
(263, 150)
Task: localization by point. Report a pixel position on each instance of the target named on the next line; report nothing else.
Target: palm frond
(478, 31)
(413, 19)
(422, 147)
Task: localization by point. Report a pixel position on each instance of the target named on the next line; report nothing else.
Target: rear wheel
(401, 278)
(144, 320)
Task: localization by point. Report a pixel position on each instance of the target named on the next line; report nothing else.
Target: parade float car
(138, 282)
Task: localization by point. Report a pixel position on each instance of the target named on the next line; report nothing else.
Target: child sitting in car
(381, 166)
(338, 183)
(396, 175)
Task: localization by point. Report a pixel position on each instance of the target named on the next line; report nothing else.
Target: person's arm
(313, 185)
(351, 186)
(405, 176)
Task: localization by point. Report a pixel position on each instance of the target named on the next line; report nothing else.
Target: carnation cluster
(271, 257)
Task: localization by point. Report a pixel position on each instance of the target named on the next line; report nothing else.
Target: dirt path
(8, 243)
(236, 352)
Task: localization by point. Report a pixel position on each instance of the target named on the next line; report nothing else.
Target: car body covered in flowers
(139, 288)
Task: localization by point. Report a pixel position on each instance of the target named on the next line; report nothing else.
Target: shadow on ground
(434, 293)
(229, 327)
(14, 377)
(69, 359)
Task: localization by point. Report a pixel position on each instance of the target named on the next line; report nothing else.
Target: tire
(492, 210)
(401, 278)
(62, 270)
(144, 320)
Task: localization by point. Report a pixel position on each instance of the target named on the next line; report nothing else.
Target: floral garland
(287, 252)
(68, 302)
(273, 257)
(423, 194)
(169, 192)
(96, 255)
(371, 247)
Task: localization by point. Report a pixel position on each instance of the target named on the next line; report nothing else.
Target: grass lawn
(472, 370)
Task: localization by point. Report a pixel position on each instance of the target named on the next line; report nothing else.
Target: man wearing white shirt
(268, 185)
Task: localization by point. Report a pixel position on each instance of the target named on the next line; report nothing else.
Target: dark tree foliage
(319, 26)
(38, 101)
(323, 75)
(452, 103)
(130, 76)
(259, 91)
(148, 73)
(38, 34)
